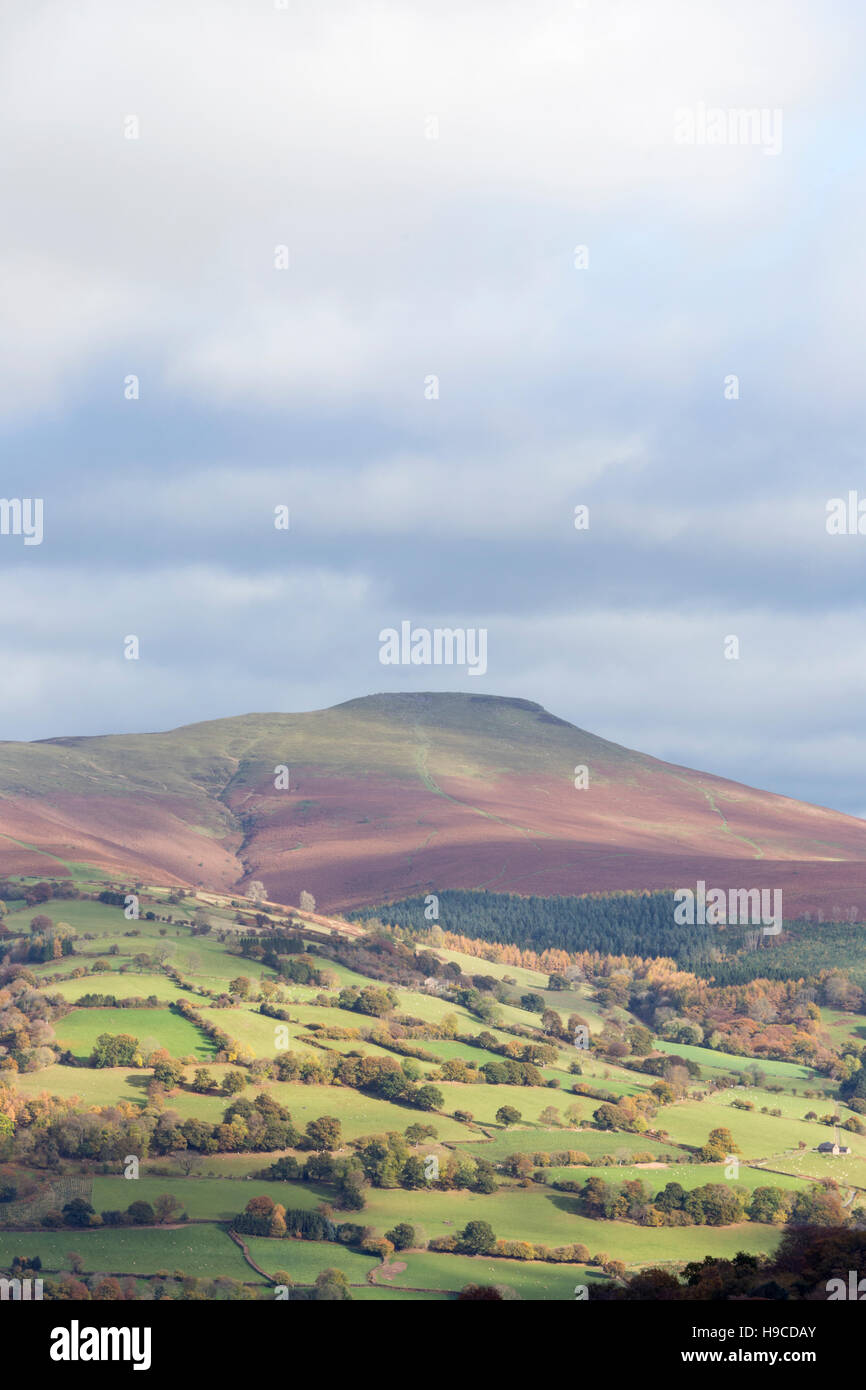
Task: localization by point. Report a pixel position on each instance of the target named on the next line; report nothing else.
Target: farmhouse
(834, 1148)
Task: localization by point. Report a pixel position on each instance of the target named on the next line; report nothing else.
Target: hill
(399, 794)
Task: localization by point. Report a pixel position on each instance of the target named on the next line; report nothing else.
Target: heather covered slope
(395, 794)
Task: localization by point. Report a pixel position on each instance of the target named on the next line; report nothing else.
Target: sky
(285, 221)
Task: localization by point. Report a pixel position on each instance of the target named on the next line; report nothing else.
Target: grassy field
(126, 984)
(843, 1168)
(204, 1251)
(688, 1175)
(482, 1102)
(729, 1061)
(153, 1028)
(205, 1199)
(592, 1142)
(758, 1136)
(94, 918)
(110, 1085)
(531, 1279)
(360, 1114)
(549, 1218)
(843, 1027)
(304, 1259)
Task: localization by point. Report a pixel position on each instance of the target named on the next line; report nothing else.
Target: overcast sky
(431, 169)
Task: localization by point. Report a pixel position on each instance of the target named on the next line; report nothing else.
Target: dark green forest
(633, 924)
(637, 924)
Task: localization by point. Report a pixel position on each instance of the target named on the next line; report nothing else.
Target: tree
(168, 1074)
(533, 1003)
(671, 1198)
(141, 1214)
(376, 1002)
(767, 1205)
(416, 1134)
(108, 1290)
(166, 1206)
(260, 1206)
(307, 901)
(402, 1236)
(78, 1212)
(551, 1023)
(413, 1174)
(821, 1205)
(332, 1285)
(720, 1144)
(428, 1098)
(325, 1133)
(477, 1238)
(350, 1191)
(116, 1050)
(507, 1115)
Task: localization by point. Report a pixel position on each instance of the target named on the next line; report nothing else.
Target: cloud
(453, 256)
(305, 126)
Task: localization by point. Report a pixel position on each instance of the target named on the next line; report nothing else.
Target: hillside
(392, 795)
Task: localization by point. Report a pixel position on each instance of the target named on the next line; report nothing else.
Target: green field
(688, 1175)
(360, 1114)
(842, 1168)
(96, 918)
(531, 1279)
(126, 984)
(304, 1259)
(548, 1218)
(482, 1102)
(729, 1061)
(154, 1028)
(758, 1136)
(206, 1199)
(592, 1142)
(204, 1251)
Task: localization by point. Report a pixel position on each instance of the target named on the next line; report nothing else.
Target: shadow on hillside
(139, 1081)
(565, 1202)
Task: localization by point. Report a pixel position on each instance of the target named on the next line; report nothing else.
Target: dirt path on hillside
(387, 1271)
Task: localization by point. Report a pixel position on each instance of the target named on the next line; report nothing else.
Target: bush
(141, 1214)
(402, 1236)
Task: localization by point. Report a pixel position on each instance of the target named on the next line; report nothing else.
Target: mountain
(392, 795)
